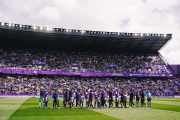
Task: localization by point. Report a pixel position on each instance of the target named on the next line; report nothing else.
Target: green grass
(175, 108)
(8, 105)
(167, 99)
(23, 108)
(29, 110)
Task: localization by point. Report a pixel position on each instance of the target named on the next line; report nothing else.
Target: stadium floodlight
(164, 35)
(66, 30)
(50, 28)
(47, 29)
(34, 27)
(147, 34)
(41, 28)
(9, 24)
(141, 34)
(135, 34)
(82, 31)
(13, 25)
(2, 23)
(20, 25)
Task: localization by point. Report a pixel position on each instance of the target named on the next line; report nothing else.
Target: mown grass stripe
(9, 105)
(29, 110)
(178, 101)
(167, 107)
(166, 102)
(139, 114)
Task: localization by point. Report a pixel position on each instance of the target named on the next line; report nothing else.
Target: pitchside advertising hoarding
(75, 64)
(40, 63)
(111, 65)
(83, 73)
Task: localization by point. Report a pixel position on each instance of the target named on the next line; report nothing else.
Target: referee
(149, 99)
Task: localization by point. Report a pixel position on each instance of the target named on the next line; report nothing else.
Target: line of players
(101, 98)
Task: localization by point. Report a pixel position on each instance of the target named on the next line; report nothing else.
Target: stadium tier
(31, 85)
(41, 50)
(70, 63)
(82, 59)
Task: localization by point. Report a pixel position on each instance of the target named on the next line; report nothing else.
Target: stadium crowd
(30, 59)
(81, 88)
(30, 85)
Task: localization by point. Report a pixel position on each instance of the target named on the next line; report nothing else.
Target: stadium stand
(80, 62)
(32, 58)
(30, 85)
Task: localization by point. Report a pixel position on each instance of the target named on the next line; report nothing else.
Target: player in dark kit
(105, 93)
(46, 101)
(110, 99)
(122, 98)
(70, 95)
(41, 99)
(137, 99)
(131, 97)
(87, 98)
(77, 98)
(142, 98)
(90, 99)
(67, 97)
(64, 99)
(95, 98)
(102, 99)
(56, 99)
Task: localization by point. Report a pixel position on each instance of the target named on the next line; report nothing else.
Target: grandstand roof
(17, 35)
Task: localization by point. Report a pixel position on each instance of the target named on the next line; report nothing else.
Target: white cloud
(149, 16)
(47, 16)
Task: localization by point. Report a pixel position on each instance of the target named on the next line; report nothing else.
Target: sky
(139, 16)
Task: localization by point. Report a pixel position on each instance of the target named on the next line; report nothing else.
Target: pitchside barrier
(83, 73)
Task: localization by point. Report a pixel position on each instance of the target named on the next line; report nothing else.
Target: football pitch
(19, 108)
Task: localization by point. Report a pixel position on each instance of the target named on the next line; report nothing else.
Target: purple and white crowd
(31, 85)
(84, 62)
(99, 90)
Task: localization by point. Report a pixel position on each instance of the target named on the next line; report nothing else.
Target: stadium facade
(17, 36)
